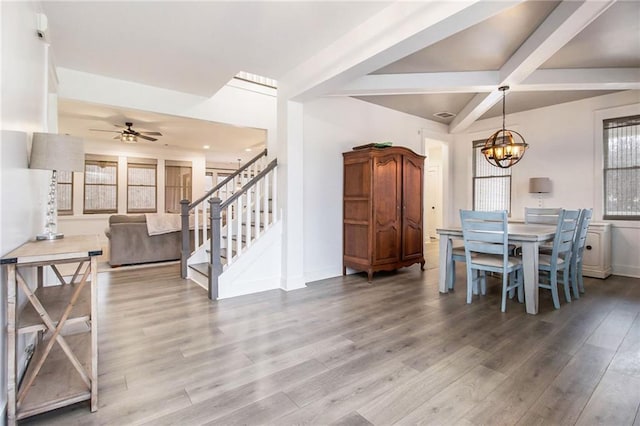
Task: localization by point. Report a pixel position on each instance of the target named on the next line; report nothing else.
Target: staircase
(227, 221)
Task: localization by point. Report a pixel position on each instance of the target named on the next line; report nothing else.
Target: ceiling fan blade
(101, 130)
(120, 126)
(146, 137)
(151, 133)
(117, 137)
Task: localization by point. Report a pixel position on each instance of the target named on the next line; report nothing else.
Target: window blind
(491, 185)
(621, 137)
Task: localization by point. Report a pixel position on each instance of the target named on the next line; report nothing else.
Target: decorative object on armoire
(501, 149)
(382, 209)
(50, 151)
(539, 185)
(374, 145)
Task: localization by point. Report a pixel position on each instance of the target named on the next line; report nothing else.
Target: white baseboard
(322, 274)
(632, 271)
(247, 287)
(292, 283)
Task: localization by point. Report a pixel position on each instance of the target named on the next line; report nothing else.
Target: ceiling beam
(581, 79)
(566, 20)
(416, 83)
(487, 81)
(397, 31)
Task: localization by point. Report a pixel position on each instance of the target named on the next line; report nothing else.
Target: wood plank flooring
(346, 352)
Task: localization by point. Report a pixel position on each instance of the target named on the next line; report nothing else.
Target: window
(141, 185)
(100, 184)
(65, 193)
(177, 180)
(621, 138)
(491, 184)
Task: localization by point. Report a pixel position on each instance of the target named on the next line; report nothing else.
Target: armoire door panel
(387, 181)
(386, 245)
(412, 231)
(412, 244)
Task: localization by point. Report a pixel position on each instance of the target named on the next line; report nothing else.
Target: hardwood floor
(346, 352)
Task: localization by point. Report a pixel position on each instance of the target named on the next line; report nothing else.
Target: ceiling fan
(128, 135)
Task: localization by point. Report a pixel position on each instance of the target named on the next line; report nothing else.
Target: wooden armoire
(382, 209)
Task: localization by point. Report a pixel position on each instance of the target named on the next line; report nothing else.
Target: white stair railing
(196, 216)
(248, 212)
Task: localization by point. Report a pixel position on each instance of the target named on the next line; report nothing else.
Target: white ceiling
(549, 52)
(226, 143)
(195, 47)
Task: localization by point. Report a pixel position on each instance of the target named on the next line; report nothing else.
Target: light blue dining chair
(458, 255)
(550, 265)
(542, 216)
(579, 243)
(539, 215)
(486, 247)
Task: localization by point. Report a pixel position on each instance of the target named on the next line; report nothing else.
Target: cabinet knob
(588, 247)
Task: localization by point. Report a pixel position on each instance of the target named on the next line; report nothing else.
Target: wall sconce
(539, 185)
(55, 152)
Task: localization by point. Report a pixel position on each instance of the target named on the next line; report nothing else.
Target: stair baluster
(236, 218)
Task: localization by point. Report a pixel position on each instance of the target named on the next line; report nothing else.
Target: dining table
(528, 236)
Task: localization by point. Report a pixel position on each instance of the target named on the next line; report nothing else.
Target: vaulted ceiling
(423, 57)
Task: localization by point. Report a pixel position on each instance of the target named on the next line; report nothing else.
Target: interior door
(433, 202)
(387, 185)
(412, 235)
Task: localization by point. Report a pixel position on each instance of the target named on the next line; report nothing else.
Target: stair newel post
(184, 253)
(215, 264)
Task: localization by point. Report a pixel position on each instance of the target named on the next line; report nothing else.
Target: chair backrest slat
(485, 232)
(580, 239)
(547, 216)
(565, 233)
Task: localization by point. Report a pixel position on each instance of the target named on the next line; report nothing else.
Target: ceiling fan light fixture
(128, 138)
(504, 148)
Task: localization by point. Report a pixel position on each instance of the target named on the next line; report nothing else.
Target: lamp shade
(540, 185)
(51, 151)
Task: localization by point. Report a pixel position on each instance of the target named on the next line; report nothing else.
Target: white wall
(79, 223)
(24, 100)
(565, 144)
(331, 127)
(236, 103)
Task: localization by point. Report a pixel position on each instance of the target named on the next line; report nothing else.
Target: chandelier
(501, 149)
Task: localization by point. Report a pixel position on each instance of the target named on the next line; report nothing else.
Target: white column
(290, 206)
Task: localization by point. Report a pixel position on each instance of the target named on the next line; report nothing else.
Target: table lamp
(55, 152)
(539, 185)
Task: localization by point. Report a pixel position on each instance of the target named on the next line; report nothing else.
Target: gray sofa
(130, 243)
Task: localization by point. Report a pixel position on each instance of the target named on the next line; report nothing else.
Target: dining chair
(486, 246)
(458, 255)
(560, 258)
(546, 216)
(579, 244)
